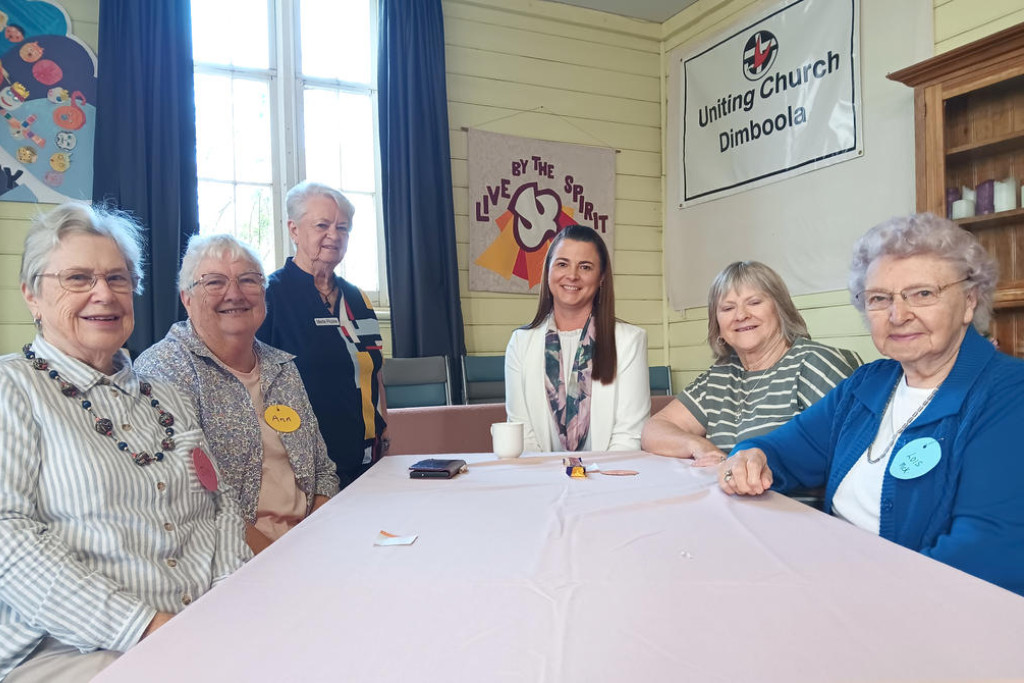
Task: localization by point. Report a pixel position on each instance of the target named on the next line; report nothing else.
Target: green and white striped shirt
(733, 404)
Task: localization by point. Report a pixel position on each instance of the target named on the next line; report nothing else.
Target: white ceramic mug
(507, 439)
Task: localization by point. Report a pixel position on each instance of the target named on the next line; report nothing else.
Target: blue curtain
(419, 219)
(145, 158)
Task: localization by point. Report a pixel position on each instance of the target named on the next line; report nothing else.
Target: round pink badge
(204, 469)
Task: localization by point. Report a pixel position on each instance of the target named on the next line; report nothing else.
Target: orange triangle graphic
(500, 256)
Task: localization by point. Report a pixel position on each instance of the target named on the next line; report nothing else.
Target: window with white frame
(286, 91)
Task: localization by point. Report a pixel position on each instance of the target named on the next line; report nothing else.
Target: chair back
(483, 379)
(412, 382)
(661, 380)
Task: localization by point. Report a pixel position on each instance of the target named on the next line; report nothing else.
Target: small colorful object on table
(574, 468)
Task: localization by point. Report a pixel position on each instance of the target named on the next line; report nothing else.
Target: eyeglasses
(80, 280)
(217, 283)
(916, 297)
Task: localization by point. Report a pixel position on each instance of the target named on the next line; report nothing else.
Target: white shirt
(91, 544)
(858, 498)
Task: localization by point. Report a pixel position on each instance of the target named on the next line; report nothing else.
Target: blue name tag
(326, 322)
(918, 457)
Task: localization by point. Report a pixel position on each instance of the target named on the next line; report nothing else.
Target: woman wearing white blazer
(575, 376)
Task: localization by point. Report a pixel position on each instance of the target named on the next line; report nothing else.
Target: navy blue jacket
(340, 377)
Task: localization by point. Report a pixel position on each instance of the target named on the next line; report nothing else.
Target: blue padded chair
(417, 382)
(483, 379)
(661, 380)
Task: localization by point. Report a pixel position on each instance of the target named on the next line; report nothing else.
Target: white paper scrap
(385, 538)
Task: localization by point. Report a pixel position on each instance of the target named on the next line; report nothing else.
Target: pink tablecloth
(522, 574)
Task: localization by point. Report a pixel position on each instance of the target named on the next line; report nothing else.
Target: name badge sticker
(916, 458)
(326, 322)
(282, 418)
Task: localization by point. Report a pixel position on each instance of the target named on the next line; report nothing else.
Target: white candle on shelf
(963, 208)
(1005, 197)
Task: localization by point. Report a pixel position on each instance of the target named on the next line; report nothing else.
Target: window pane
(213, 127)
(233, 129)
(335, 39)
(254, 221)
(339, 139)
(216, 207)
(360, 264)
(252, 130)
(231, 33)
(244, 211)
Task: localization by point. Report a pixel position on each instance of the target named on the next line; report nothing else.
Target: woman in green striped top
(766, 369)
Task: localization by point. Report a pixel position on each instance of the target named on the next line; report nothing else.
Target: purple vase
(986, 199)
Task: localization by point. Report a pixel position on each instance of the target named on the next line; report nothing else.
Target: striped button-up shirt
(91, 544)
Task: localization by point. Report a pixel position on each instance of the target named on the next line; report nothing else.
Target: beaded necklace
(104, 425)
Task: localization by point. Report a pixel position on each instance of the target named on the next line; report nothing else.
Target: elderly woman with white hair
(920, 448)
(330, 326)
(112, 516)
(250, 398)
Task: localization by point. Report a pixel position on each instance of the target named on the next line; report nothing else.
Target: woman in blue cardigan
(920, 448)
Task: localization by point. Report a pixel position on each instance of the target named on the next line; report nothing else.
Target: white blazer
(617, 410)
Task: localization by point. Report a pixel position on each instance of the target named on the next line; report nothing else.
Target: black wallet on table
(435, 468)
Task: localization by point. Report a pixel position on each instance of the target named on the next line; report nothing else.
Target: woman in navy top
(330, 326)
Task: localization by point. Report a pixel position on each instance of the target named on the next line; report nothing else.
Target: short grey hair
(760, 277)
(77, 218)
(298, 197)
(201, 247)
(925, 234)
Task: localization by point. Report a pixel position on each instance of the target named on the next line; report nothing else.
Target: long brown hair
(605, 361)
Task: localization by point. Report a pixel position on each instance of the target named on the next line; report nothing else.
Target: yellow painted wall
(15, 322)
(958, 22)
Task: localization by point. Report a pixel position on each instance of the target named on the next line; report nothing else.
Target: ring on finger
(728, 475)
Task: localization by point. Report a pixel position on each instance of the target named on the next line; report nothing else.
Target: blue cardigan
(968, 511)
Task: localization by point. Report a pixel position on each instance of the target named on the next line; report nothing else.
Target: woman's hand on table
(745, 473)
(708, 455)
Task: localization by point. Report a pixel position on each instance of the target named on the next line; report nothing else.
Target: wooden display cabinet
(969, 127)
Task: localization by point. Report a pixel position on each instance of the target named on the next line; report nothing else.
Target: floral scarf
(570, 403)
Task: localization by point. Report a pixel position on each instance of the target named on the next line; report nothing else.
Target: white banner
(777, 98)
(522, 192)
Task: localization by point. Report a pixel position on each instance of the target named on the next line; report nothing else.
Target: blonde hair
(760, 277)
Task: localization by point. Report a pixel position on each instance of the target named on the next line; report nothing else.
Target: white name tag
(326, 322)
